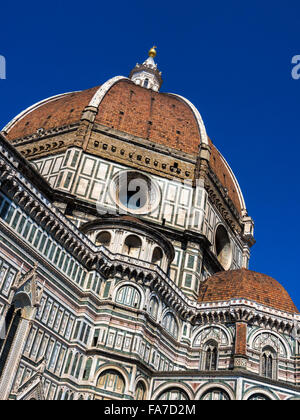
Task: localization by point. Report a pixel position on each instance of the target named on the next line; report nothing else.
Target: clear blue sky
(231, 59)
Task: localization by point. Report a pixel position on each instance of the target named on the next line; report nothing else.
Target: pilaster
(15, 354)
(240, 348)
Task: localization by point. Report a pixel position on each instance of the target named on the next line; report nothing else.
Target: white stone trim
(261, 391)
(32, 108)
(279, 337)
(214, 385)
(13, 359)
(112, 366)
(237, 186)
(199, 330)
(134, 286)
(138, 379)
(102, 91)
(166, 386)
(202, 129)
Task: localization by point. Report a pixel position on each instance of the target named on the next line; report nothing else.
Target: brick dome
(162, 118)
(154, 116)
(246, 284)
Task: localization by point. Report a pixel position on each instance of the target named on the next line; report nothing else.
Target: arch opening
(157, 256)
(104, 239)
(223, 247)
(111, 380)
(215, 394)
(140, 391)
(132, 246)
(175, 394)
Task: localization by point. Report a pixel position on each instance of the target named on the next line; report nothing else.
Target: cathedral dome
(158, 117)
(122, 104)
(246, 284)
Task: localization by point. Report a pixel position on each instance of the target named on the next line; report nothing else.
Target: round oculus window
(135, 192)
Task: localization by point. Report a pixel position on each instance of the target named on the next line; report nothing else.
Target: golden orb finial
(152, 52)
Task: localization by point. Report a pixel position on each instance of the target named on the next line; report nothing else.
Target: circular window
(135, 193)
(223, 247)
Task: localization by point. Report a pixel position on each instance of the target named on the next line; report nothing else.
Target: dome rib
(33, 107)
(201, 126)
(222, 170)
(165, 119)
(155, 116)
(58, 111)
(103, 89)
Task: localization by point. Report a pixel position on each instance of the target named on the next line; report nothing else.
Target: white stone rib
(32, 108)
(102, 91)
(237, 186)
(202, 129)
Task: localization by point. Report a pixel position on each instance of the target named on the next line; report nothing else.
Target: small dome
(246, 284)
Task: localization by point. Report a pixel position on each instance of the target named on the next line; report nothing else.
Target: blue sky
(231, 59)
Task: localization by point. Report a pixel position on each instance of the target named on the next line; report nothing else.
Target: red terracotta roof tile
(246, 284)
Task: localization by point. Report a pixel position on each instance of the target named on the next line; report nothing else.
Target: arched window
(170, 324)
(87, 369)
(268, 363)
(132, 246)
(140, 391)
(215, 395)
(74, 364)
(68, 362)
(223, 247)
(129, 296)
(103, 238)
(12, 321)
(211, 356)
(157, 256)
(146, 83)
(173, 394)
(79, 367)
(59, 394)
(153, 307)
(111, 380)
(258, 397)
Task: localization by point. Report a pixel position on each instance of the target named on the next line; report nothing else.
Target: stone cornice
(44, 134)
(218, 374)
(222, 201)
(119, 222)
(25, 194)
(47, 142)
(146, 144)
